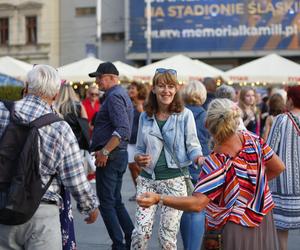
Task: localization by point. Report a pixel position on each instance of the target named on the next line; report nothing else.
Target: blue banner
(215, 25)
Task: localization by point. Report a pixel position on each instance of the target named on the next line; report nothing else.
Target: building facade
(29, 30)
(78, 30)
(224, 34)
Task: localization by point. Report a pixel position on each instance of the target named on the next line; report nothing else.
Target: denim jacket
(179, 133)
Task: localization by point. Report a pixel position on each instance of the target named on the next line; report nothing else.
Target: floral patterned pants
(169, 218)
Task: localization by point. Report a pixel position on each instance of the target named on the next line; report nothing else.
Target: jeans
(192, 230)
(112, 209)
(192, 223)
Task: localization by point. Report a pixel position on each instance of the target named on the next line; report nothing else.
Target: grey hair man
(59, 157)
(225, 91)
(228, 92)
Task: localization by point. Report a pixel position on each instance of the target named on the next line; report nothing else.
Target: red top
(90, 110)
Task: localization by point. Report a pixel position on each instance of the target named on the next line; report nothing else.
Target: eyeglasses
(94, 94)
(163, 70)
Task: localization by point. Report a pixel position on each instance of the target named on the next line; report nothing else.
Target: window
(112, 37)
(4, 31)
(31, 29)
(85, 11)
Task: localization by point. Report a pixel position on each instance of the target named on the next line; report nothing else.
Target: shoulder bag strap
(174, 157)
(294, 121)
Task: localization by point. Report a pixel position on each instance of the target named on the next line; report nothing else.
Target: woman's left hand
(147, 199)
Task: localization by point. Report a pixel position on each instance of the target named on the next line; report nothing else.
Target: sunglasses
(94, 94)
(163, 70)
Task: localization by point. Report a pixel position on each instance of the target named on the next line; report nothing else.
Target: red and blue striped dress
(237, 186)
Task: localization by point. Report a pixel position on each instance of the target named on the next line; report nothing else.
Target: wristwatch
(105, 152)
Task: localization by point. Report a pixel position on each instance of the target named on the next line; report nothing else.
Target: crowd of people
(238, 150)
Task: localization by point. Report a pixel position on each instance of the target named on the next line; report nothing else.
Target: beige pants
(42, 231)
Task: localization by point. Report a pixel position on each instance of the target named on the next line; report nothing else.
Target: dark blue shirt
(114, 118)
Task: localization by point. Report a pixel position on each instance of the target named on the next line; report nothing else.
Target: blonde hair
(194, 93)
(242, 103)
(91, 87)
(67, 99)
(223, 118)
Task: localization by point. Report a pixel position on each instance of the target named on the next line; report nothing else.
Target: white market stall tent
(209, 70)
(14, 68)
(79, 71)
(187, 69)
(268, 69)
(126, 71)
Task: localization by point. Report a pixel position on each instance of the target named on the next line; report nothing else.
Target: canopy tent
(268, 69)
(208, 70)
(14, 68)
(79, 71)
(126, 71)
(186, 68)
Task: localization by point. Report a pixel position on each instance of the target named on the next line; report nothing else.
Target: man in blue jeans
(111, 135)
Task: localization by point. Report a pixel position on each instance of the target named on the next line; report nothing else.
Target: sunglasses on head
(163, 70)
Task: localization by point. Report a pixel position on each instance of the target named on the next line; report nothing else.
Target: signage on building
(215, 26)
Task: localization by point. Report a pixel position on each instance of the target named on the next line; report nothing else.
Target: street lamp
(98, 23)
(148, 31)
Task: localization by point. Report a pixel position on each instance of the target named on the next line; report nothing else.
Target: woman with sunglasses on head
(166, 145)
(92, 105)
(233, 184)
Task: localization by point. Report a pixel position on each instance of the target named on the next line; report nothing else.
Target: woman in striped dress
(284, 138)
(233, 184)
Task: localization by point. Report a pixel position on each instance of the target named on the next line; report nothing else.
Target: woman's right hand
(147, 199)
(143, 160)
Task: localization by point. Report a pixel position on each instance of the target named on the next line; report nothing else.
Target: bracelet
(161, 200)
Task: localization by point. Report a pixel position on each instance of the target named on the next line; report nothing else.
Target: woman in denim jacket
(164, 122)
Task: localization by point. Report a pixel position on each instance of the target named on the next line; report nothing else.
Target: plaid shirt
(59, 154)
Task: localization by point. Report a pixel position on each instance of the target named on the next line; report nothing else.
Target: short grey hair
(43, 80)
(194, 93)
(225, 91)
(223, 118)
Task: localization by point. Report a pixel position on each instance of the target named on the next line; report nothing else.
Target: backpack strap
(45, 120)
(10, 106)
